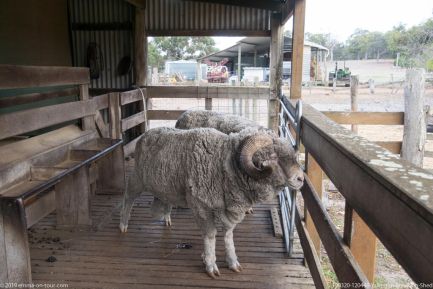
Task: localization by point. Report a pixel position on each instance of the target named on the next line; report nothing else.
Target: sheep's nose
(300, 178)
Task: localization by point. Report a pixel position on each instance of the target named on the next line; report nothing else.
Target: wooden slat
(371, 118)
(101, 101)
(115, 115)
(132, 121)
(87, 122)
(18, 123)
(428, 154)
(342, 260)
(381, 189)
(17, 76)
(392, 146)
(164, 114)
(33, 97)
(40, 208)
(101, 126)
(132, 96)
(310, 253)
(207, 92)
(129, 148)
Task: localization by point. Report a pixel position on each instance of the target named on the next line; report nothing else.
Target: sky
(342, 17)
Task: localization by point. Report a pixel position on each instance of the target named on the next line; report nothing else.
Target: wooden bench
(57, 170)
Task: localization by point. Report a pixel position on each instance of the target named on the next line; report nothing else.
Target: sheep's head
(262, 156)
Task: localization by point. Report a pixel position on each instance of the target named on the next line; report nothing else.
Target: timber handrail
(392, 196)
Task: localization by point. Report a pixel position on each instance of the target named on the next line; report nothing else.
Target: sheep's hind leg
(161, 210)
(133, 190)
(209, 231)
(231, 257)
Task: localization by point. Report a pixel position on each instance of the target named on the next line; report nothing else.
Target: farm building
(253, 53)
(73, 85)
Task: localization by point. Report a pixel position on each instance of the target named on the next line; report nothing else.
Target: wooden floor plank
(148, 255)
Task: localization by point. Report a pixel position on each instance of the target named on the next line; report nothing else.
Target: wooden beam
(392, 146)
(366, 118)
(34, 97)
(315, 174)
(132, 96)
(14, 245)
(21, 122)
(140, 48)
(88, 122)
(210, 32)
(164, 114)
(298, 49)
(20, 76)
(207, 92)
(382, 191)
(133, 121)
(260, 4)
(276, 70)
(287, 11)
(310, 255)
(342, 260)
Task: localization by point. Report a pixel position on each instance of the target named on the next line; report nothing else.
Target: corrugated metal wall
(109, 23)
(166, 15)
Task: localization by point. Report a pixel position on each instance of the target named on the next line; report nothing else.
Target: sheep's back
(171, 161)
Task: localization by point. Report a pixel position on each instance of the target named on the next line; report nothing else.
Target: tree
(176, 48)
(324, 39)
(154, 57)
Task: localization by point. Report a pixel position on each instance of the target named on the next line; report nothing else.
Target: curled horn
(248, 147)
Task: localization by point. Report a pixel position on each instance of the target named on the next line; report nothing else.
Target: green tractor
(341, 76)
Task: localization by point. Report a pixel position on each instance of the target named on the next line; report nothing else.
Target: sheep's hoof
(213, 271)
(123, 228)
(236, 267)
(250, 211)
(167, 221)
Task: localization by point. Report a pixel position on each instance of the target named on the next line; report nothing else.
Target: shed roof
(259, 44)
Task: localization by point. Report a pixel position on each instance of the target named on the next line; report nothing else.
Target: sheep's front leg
(133, 190)
(231, 258)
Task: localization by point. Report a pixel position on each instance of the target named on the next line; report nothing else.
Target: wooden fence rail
(380, 188)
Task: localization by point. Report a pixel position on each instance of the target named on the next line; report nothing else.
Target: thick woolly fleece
(225, 123)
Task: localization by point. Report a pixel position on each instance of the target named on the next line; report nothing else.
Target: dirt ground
(389, 273)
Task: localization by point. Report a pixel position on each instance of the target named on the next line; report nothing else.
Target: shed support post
(414, 135)
(14, 245)
(276, 70)
(140, 63)
(239, 63)
(298, 49)
(88, 122)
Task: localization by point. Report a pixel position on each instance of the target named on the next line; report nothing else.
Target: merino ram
(217, 175)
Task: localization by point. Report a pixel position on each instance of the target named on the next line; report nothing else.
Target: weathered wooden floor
(151, 255)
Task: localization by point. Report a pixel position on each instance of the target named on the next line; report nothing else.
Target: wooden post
(298, 48)
(315, 174)
(208, 103)
(140, 63)
(239, 63)
(354, 83)
(371, 85)
(414, 135)
(111, 173)
(88, 122)
(363, 244)
(14, 246)
(276, 70)
(115, 115)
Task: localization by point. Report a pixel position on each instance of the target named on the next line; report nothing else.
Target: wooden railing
(384, 194)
